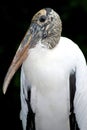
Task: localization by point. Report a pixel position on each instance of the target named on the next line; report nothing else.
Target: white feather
(47, 71)
(24, 96)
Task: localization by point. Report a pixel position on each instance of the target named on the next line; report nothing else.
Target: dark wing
(26, 114)
(72, 88)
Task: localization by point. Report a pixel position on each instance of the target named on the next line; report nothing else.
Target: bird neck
(51, 41)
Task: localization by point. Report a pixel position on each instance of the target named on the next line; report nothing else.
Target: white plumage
(48, 61)
(47, 72)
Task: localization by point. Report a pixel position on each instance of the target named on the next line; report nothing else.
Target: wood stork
(48, 60)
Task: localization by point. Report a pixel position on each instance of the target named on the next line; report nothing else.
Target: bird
(48, 61)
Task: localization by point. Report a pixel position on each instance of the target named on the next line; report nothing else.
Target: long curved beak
(18, 59)
(29, 41)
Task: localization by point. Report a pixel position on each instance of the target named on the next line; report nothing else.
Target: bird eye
(42, 18)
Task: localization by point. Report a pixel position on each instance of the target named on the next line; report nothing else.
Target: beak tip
(4, 89)
(4, 92)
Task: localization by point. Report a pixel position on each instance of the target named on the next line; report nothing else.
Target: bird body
(47, 73)
(48, 60)
(49, 98)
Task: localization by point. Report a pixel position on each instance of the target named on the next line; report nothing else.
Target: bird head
(46, 27)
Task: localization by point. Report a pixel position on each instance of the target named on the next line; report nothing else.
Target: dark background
(15, 19)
